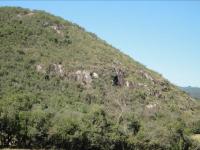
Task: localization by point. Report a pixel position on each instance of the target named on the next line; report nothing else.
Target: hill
(64, 88)
(193, 91)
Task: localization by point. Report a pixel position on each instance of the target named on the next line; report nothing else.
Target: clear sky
(162, 35)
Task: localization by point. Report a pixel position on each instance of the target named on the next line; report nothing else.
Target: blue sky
(162, 35)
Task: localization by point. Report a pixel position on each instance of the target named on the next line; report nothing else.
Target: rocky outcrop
(24, 15)
(156, 93)
(150, 110)
(118, 79)
(56, 69)
(30, 14)
(94, 75)
(146, 75)
(58, 28)
(132, 85)
(46, 24)
(165, 86)
(86, 77)
(40, 68)
(83, 77)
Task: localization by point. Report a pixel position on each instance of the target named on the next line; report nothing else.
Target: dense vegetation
(193, 91)
(62, 87)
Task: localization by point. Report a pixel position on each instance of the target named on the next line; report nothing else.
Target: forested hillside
(63, 87)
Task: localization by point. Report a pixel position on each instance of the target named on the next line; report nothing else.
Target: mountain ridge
(193, 91)
(62, 87)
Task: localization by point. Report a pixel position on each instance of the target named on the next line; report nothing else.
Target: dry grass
(196, 137)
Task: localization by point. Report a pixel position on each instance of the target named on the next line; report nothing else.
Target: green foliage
(41, 109)
(196, 127)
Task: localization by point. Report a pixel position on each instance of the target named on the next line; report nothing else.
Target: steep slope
(193, 91)
(62, 87)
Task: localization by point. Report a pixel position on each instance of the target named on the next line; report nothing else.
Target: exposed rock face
(119, 78)
(19, 15)
(56, 69)
(30, 14)
(150, 110)
(40, 68)
(141, 85)
(46, 24)
(94, 75)
(24, 15)
(165, 86)
(146, 75)
(156, 93)
(133, 85)
(127, 84)
(58, 28)
(83, 77)
(130, 84)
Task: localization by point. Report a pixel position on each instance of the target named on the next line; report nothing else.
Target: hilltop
(63, 87)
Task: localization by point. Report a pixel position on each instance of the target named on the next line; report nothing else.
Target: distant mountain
(62, 87)
(193, 91)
